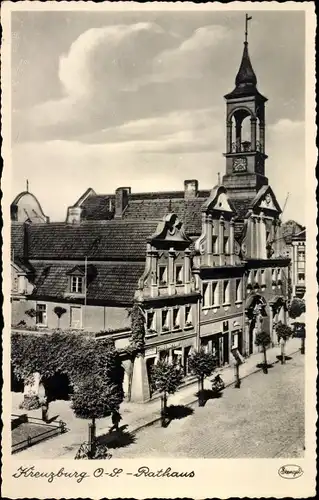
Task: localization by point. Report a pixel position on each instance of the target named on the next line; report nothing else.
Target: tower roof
(246, 80)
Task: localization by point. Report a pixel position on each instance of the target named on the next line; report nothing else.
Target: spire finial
(27, 185)
(248, 18)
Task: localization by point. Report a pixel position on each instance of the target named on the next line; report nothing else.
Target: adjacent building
(207, 267)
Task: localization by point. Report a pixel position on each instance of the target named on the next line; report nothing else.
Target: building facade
(206, 267)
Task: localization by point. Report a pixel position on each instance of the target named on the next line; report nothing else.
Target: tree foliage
(296, 308)
(166, 377)
(137, 340)
(59, 311)
(283, 331)
(262, 339)
(202, 363)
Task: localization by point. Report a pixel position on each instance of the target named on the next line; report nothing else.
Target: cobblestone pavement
(262, 419)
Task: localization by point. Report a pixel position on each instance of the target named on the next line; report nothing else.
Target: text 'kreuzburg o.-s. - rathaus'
(206, 267)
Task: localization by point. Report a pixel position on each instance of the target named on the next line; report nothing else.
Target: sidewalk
(136, 416)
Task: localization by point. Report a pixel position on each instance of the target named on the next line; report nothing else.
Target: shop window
(162, 273)
(206, 294)
(188, 316)
(226, 293)
(165, 321)
(179, 274)
(239, 290)
(76, 284)
(151, 323)
(41, 316)
(274, 276)
(176, 319)
(215, 293)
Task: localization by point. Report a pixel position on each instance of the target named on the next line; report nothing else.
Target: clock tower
(245, 136)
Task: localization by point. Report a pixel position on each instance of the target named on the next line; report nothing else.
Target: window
(176, 318)
(226, 296)
(179, 274)
(215, 292)
(215, 245)
(263, 277)
(206, 295)
(301, 277)
(76, 284)
(188, 316)
(279, 271)
(238, 290)
(162, 272)
(256, 277)
(41, 317)
(165, 321)
(226, 245)
(151, 322)
(274, 276)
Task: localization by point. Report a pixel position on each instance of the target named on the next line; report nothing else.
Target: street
(262, 419)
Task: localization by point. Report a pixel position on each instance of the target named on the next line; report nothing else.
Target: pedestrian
(116, 418)
(45, 407)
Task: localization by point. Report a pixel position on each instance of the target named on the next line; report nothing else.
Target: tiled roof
(241, 206)
(98, 207)
(109, 240)
(188, 211)
(112, 283)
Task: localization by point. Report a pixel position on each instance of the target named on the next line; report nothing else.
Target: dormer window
(77, 284)
(226, 245)
(162, 275)
(215, 245)
(179, 274)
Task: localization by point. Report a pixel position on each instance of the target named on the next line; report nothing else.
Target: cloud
(115, 74)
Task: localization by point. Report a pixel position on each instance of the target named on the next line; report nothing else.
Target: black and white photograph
(158, 165)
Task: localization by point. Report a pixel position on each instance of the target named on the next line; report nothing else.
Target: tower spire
(247, 18)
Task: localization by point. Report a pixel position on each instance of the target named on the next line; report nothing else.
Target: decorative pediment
(266, 200)
(171, 230)
(77, 271)
(218, 201)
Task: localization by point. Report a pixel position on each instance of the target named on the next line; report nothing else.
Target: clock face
(240, 164)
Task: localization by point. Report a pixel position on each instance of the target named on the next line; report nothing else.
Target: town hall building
(206, 267)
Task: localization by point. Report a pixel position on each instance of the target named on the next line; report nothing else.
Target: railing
(51, 431)
(245, 146)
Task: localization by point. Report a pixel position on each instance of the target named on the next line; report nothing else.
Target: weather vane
(248, 18)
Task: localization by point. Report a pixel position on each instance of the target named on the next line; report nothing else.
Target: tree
(296, 308)
(284, 332)
(201, 364)
(59, 311)
(263, 340)
(95, 397)
(166, 378)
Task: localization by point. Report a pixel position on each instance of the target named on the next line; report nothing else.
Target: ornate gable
(266, 200)
(170, 230)
(218, 201)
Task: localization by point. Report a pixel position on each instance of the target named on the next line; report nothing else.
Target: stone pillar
(262, 136)
(229, 139)
(252, 226)
(263, 240)
(170, 270)
(257, 235)
(253, 133)
(209, 239)
(232, 242)
(187, 269)
(238, 136)
(170, 355)
(221, 240)
(140, 391)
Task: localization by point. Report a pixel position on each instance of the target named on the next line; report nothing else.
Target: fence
(49, 430)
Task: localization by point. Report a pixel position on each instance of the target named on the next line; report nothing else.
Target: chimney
(190, 189)
(74, 215)
(121, 200)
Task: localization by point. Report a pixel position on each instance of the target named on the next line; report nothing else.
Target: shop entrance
(149, 366)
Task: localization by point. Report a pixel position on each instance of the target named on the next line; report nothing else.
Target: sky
(110, 99)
